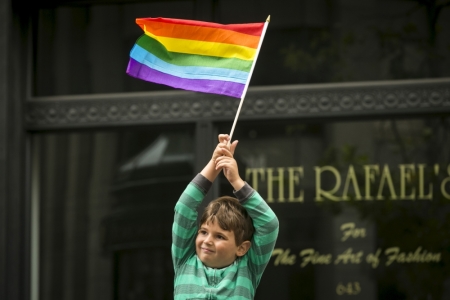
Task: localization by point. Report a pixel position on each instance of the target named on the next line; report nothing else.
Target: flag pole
(249, 77)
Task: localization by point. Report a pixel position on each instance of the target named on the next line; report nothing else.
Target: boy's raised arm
(264, 219)
(184, 228)
(266, 227)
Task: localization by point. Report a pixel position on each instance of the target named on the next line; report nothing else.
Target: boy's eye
(220, 237)
(202, 232)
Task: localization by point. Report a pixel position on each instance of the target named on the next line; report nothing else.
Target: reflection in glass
(106, 207)
(364, 207)
(84, 49)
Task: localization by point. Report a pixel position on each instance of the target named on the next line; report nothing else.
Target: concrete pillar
(14, 213)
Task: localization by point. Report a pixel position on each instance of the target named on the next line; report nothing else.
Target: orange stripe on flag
(246, 28)
(199, 33)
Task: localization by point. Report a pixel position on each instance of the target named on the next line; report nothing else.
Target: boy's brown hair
(230, 215)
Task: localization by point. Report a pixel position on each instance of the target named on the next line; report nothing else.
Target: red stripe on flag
(249, 28)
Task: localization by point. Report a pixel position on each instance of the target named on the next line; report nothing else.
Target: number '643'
(351, 288)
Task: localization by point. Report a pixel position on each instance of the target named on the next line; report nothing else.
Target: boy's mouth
(206, 250)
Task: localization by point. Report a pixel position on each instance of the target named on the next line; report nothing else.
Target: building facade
(345, 132)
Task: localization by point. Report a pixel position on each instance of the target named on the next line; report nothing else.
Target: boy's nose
(207, 240)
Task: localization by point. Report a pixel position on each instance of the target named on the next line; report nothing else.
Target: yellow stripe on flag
(205, 48)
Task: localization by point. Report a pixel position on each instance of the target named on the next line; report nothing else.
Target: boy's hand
(223, 144)
(210, 171)
(228, 164)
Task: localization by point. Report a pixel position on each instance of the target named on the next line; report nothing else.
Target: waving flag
(196, 56)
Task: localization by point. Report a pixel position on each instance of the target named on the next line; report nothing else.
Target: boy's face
(216, 247)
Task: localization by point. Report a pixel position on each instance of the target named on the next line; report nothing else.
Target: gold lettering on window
(254, 172)
(443, 184)
(386, 178)
(349, 230)
(283, 257)
(422, 195)
(394, 255)
(407, 172)
(321, 194)
(270, 179)
(310, 256)
(370, 171)
(351, 180)
(350, 288)
(349, 257)
(294, 179)
(412, 182)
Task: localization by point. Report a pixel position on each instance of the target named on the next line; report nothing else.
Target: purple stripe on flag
(146, 73)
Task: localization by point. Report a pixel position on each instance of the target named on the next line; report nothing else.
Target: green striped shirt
(193, 280)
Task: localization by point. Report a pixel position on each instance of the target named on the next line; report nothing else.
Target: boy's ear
(243, 248)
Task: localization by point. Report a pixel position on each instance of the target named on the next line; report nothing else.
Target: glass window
(84, 49)
(364, 206)
(106, 201)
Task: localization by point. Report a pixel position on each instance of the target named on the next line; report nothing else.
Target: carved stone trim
(298, 101)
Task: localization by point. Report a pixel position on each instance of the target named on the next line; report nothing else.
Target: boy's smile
(216, 247)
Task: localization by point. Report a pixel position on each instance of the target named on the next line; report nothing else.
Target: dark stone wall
(14, 245)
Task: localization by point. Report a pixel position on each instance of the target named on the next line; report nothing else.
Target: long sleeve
(266, 229)
(184, 228)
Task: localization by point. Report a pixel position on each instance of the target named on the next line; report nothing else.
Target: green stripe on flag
(181, 59)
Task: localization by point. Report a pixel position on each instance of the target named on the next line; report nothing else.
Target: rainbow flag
(194, 55)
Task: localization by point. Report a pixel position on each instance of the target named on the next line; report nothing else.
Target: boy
(226, 255)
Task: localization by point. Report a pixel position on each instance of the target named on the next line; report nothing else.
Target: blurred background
(306, 41)
(345, 133)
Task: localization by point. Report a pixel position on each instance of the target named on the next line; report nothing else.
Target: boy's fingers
(221, 159)
(217, 151)
(233, 147)
(226, 152)
(224, 160)
(228, 166)
(223, 138)
(222, 164)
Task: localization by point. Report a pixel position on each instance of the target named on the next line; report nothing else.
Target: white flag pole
(249, 77)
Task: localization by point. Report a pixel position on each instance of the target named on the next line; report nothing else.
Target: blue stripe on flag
(144, 57)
